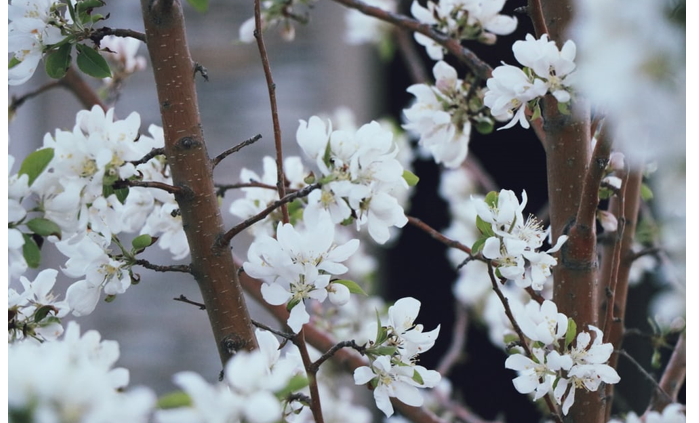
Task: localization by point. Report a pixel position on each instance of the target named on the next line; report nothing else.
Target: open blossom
(464, 20)
(546, 70)
(299, 265)
(439, 115)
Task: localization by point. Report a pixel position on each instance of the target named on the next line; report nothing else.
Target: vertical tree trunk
(192, 173)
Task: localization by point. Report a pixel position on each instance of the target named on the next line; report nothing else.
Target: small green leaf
(91, 62)
(86, 5)
(477, 246)
(44, 227)
(141, 242)
(536, 113)
(13, 62)
(484, 227)
(564, 108)
(44, 311)
(175, 399)
(31, 252)
(200, 5)
(35, 163)
(417, 378)
(570, 333)
(484, 127)
(58, 61)
(379, 350)
(295, 384)
(381, 333)
(353, 286)
(656, 360)
(291, 304)
(121, 194)
(410, 178)
(646, 192)
(491, 199)
(605, 193)
(109, 298)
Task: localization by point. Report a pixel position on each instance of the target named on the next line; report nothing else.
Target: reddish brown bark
(212, 264)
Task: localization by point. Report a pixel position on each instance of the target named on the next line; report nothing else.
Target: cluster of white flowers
(31, 28)
(440, 116)
(578, 364)
(463, 20)
(512, 90)
(393, 371)
(249, 393)
(299, 266)
(361, 177)
(511, 242)
(77, 383)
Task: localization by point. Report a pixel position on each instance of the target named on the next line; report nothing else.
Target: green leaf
(91, 62)
(86, 5)
(381, 333)
(417, 378)
(410, 178)
(44, 227)
(44, 311)
(491, 199)
(646, 192)
(564, 108)
(141, 242)
(536, 113)
(109, 298)
(379, 350)
(174, 400)
(484, 127)
(35, 163)
(570, 333)
(485, 227)
(477, 246)
(58, 61)
(31, 252)
(121, 194)
(200, 5)
(605, 193)
(656, 361)
(353, 286)
(295, 384)
(13, 62)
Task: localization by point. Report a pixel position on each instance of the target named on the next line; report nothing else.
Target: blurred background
(315, 74)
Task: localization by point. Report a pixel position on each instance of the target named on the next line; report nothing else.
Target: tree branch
(438, 235)
(537, 16)
(221, 189)
(331, 352)
(235, 149)
(673, 377)
(84, 93)
(458, 341)
(149, 184)
(466, 56)
(100, 33)
(153, 153)
(182, 268)
(184, 299)
(17, 102)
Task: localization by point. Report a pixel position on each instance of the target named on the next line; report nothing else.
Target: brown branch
(221, 189)
(537, 16)
(458, 342)
(438, 235)
(212, 266)
(84, 93)
(316, 409)
(149, 184)
(347, 358)
(645, 374)
(673, 377)
(522, 339)
(183, 268)
(453, 46)
(228, 236)
(186, 300)
(589, 197)
(153, 153)
(16, 102)
(331, 352)
(285, 335)
(271, 88)
(235, 149)
(100, 33)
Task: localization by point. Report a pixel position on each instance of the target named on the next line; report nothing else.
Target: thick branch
(212, 266)
(537, 16)
(84, 93)
(453, 46)
(673, 377)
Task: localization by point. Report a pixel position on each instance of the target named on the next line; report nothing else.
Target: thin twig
(228, 236)
(522, 339)
(149, 184)
(285, 335)
(154, 152)
(453, 46)
(458, 341)
(216, 160)
(182, 268)
(673, 376)
(18, 101)
(650, 251)
(271, 88)
(645, 374)
(100, 33)
(184, 299)
(221, 189)
(337, 347)
(438, 235)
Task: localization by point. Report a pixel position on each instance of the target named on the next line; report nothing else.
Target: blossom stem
(235, 149)
(228, 236)
(466, 56)
(271, 88)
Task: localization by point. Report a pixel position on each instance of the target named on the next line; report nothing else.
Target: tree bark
(192, 172)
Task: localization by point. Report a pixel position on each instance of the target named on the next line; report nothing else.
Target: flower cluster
(252, 382)
(299, 266)
(462, 20)
(78, 383)
(578, 364)
(31, 29)
(393, 371)
(442, 115)
(360, 175)
(512, 90)
(512, 243)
